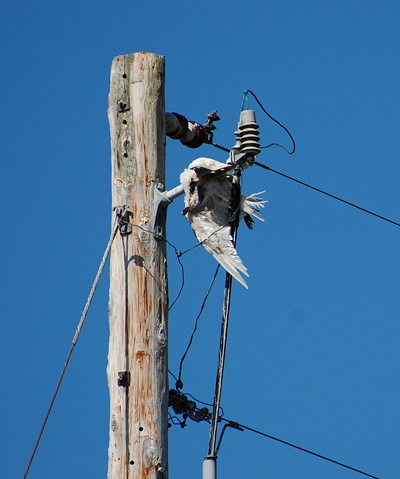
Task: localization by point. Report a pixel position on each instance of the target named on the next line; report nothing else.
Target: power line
(179, 384)
(178, 255)
(74, 341)
(237, 425)
(313, 188)
(327, 194)
(276, 121)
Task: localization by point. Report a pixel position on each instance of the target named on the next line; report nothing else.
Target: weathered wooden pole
(137, 360)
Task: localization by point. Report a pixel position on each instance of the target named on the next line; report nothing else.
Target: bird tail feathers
(251, 205)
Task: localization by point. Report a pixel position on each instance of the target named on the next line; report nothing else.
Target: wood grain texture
(138, 283)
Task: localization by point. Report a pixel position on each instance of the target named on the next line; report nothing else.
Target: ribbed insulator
(247, 134)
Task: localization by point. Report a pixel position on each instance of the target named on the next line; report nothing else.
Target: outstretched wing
(212, 231)
(208, 197)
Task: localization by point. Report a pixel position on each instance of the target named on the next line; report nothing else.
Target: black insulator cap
(199, 137)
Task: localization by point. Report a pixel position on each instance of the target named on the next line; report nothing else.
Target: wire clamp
(124, 216)
(182, 405)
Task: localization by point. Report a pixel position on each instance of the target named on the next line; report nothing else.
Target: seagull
(213, 203)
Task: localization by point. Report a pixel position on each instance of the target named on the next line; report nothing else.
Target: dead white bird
(212, 202)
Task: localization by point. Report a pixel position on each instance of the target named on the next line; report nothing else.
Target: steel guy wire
(74, 341)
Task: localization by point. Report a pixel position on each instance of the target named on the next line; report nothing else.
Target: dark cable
(221, 410)
(313, 188)
(327, 194)
(179, 380)
(278, 123)
(178, 255)
(221, 147)
(172, 374)
(231, 424)
(300, 448)
(221, 437)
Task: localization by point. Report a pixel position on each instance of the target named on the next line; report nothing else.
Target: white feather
(251, 205)
(208, 193)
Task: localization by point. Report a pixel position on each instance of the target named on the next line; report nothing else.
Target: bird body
(212, 205)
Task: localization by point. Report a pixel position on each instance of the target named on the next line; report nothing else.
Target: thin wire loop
(277, 122)
(74, 341)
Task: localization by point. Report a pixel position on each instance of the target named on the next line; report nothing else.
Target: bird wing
(217, 240)
(207, 207)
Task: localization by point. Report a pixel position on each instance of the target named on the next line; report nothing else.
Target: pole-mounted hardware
(182, 405)
(124, 219)
(241, 156)
(247, 145)
(190, 133)
(124, 379)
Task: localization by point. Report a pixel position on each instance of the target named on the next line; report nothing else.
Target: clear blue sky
(313, 352)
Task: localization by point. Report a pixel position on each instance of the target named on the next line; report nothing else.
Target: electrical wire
(237, 425)
(179, 380)
(313, 188)
(205, 403)
(178, 255)
(172, 374)
(220, 412)
(327, 194)
(74, 341)
(276, 121)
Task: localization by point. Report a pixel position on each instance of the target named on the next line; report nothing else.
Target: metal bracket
(159, 212)
(123, 104)
(160, 472)
(124, 216)
(124, 378)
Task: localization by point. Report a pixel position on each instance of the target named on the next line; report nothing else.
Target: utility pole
(137, 361)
